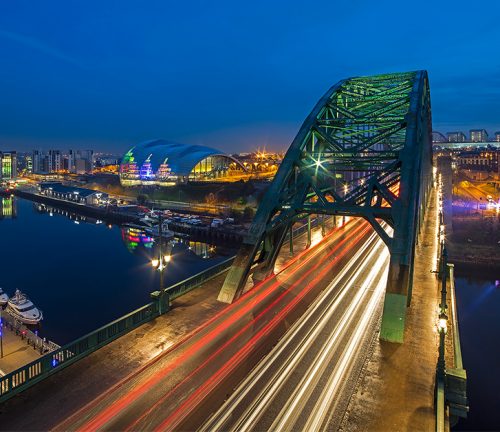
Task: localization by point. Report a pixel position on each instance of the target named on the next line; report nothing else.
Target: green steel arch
(364, 150)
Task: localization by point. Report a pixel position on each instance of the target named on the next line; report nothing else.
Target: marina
(107, 274)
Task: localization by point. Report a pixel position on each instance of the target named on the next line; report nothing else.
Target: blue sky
(234, 75)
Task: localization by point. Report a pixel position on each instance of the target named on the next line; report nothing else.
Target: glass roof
(181, 158)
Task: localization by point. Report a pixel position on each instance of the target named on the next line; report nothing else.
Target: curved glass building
(167, 163)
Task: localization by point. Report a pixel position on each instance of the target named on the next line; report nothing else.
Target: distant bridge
(364, 150)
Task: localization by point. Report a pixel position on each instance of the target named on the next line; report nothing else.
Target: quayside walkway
(51, 401)
(396, 388)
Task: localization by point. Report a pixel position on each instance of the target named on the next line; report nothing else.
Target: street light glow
(155, 262)
(442, 323)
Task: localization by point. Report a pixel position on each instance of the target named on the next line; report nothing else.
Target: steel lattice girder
(364, 150)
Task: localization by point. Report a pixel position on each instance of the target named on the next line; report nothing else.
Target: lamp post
(160, 264)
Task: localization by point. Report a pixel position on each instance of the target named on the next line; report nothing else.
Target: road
(299, 385)
(178, 388)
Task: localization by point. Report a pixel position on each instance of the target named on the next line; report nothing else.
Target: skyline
(226, 76)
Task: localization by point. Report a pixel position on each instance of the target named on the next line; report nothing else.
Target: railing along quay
(12, 324)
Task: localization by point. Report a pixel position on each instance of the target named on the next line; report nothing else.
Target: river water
(478, 303)
(83, 273)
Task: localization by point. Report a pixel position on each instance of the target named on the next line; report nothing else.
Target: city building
(29, 163)
(167, 163)
(81, 161)
(497, 136)
(456, 137)
(8, 164)
(478, 135)
(54, 161)
(43, 162)
(73, 194)
(479, 164)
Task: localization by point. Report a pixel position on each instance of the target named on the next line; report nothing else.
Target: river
(478, 303)
(83, 273)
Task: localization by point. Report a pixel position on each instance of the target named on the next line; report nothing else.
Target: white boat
(148, 220)
(165, 232)
(21, 307)
(4, 298)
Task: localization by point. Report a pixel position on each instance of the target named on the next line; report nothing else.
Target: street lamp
(160, 263)
(442, 323)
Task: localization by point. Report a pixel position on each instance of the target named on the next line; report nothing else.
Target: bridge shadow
(389, 349)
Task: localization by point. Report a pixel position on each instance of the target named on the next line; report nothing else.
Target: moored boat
(22, 308)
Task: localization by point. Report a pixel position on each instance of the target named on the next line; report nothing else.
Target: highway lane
(300, 384)
(173, 389)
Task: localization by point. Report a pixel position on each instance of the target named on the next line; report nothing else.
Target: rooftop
(60, 188)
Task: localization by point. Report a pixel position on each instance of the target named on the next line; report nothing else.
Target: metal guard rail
(193, 282)
(25, 376)
(28, 375)
(183, 287)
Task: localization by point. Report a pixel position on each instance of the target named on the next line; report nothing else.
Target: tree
(248, 213)
(142, 199)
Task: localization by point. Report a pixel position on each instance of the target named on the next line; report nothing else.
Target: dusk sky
(233, 75)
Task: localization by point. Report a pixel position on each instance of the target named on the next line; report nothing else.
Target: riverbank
(472, 227)
(108, 214)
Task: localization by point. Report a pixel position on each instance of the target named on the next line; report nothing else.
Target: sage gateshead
(166, 163)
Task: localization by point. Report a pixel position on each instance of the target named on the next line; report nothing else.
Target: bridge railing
(183, 287)
(186, 285)
(48, 364)
(451, 382)
(24, 377)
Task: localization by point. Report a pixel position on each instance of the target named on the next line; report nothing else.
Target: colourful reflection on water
(134, 238)
(8, 209)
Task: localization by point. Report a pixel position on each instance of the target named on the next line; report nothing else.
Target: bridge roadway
(177, 389)
(305, 382)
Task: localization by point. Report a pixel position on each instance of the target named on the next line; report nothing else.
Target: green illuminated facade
(8, 165)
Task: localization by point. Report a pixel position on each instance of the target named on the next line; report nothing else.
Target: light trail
(251, 299)
(331, 390)
(267, 387)
(188, 405)
(267, 393)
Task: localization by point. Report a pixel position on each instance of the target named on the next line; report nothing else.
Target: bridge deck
(396, 389)
(51, 401)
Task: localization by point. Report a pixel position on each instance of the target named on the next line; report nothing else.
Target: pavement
(395, 391)
(54, 399)
(51, 401)
(179, 389)
(16, 352)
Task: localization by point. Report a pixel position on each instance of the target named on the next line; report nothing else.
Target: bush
(142, 199)
(248, 213)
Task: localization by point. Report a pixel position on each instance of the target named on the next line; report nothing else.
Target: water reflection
(76, 259)
(137, 240)
(203, 250)
(134, 238)
(75, 217)
(8, 208)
